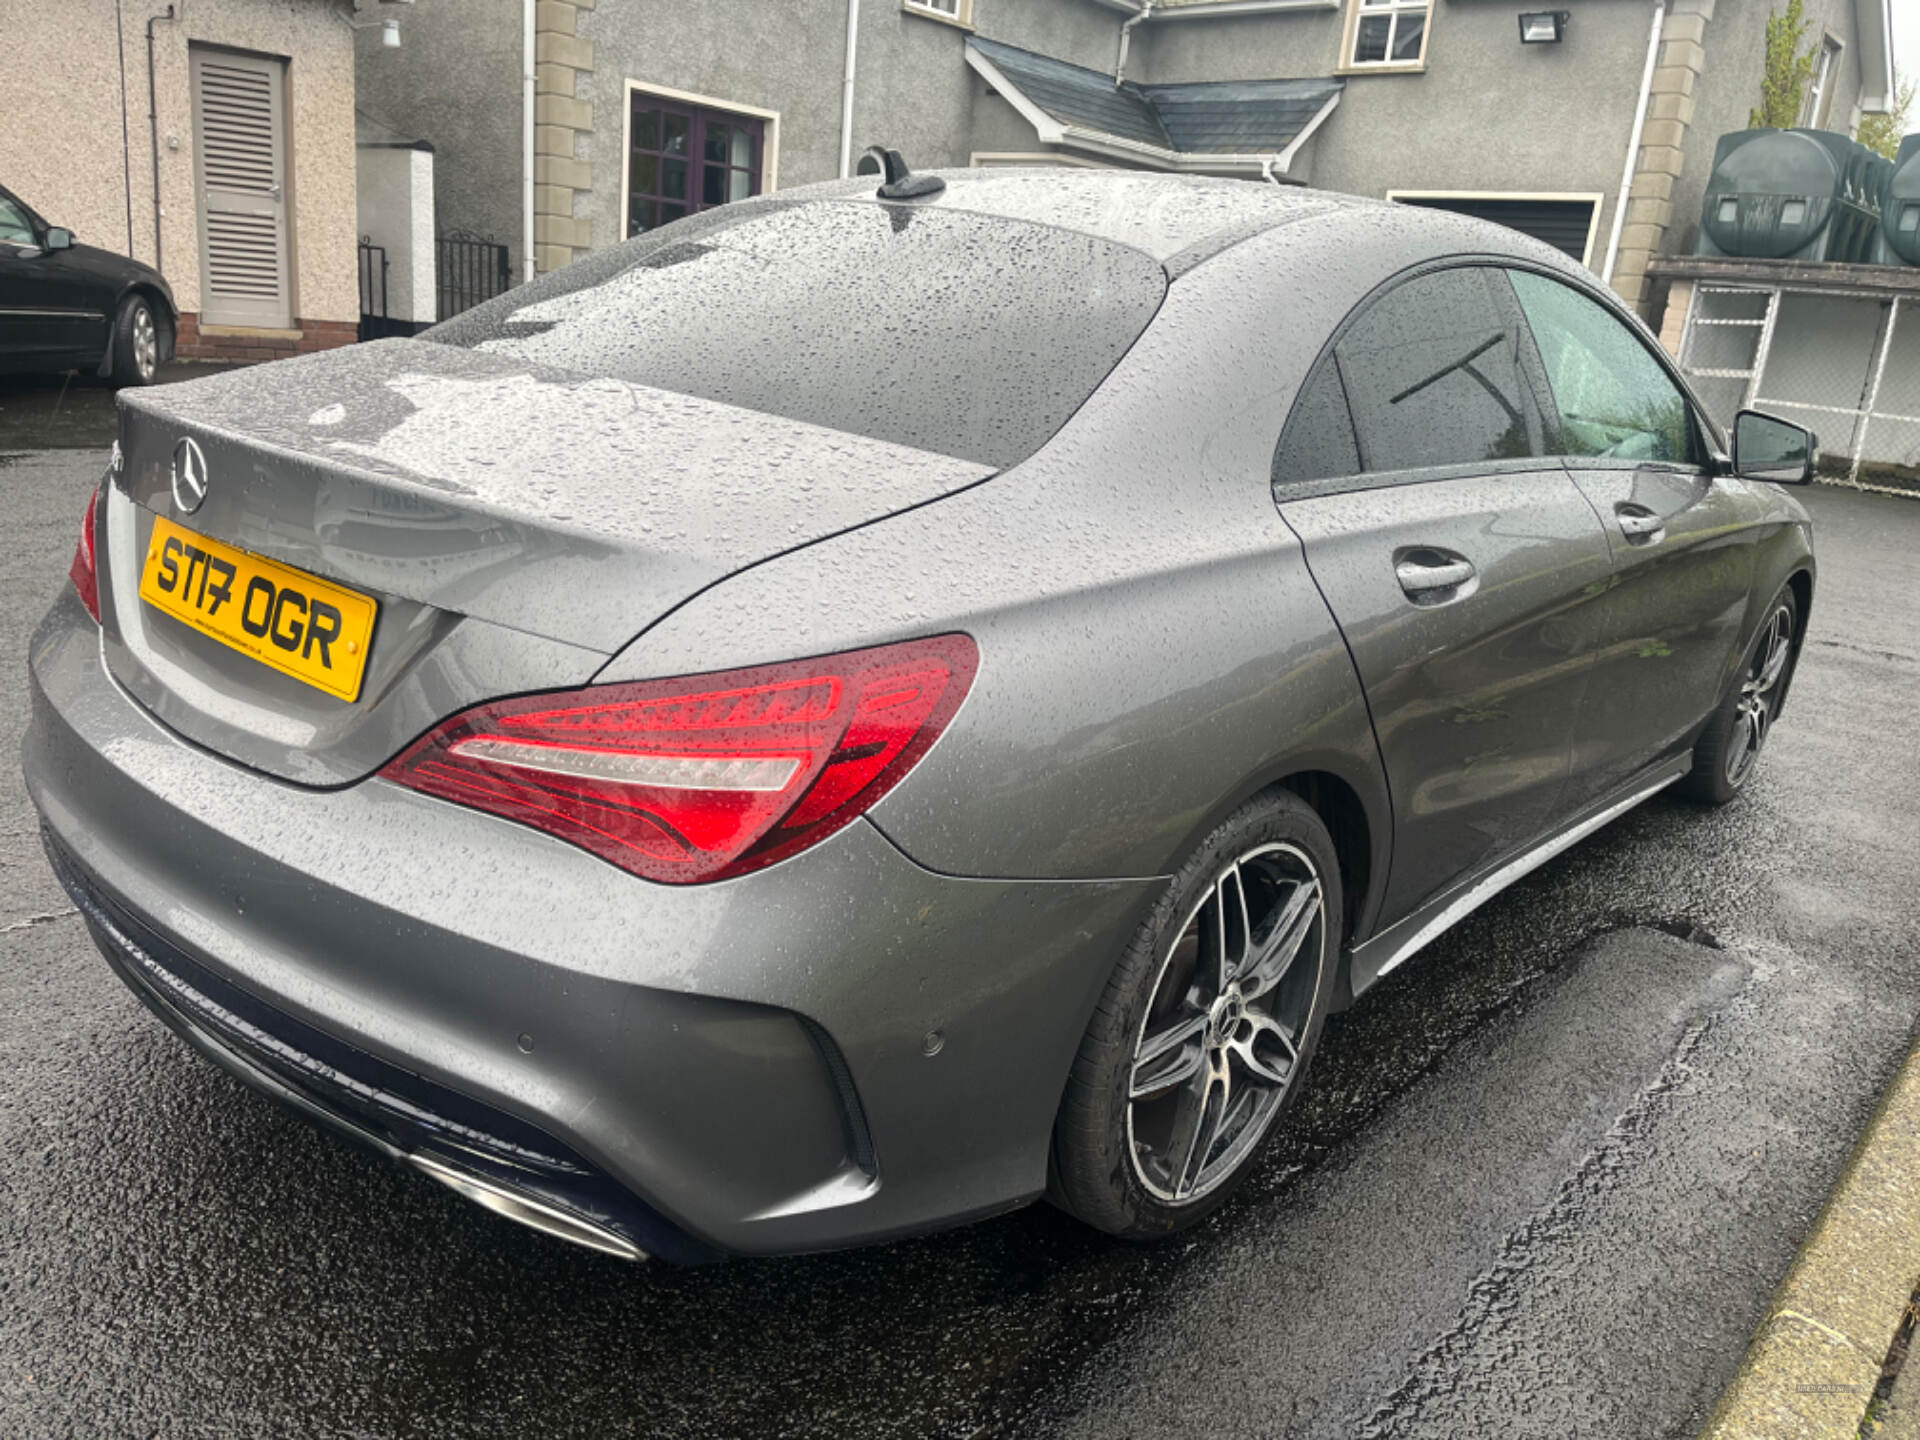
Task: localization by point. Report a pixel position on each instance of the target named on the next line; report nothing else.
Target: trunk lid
(514, 523)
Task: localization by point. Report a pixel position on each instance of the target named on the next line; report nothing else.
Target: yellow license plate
(299, 624)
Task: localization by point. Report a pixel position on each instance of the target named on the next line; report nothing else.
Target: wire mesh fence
(1847, 366)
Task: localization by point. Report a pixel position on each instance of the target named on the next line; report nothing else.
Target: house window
(1388, 33)
(960, 12)
(1819, 101)
(684, 158)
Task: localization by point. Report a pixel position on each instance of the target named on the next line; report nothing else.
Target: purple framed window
(682, 158)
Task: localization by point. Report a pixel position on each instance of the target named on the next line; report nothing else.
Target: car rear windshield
(963, 334)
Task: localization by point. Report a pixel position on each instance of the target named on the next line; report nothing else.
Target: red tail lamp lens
(86, 579)
(699, 779)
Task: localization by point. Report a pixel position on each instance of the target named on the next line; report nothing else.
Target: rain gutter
(1126, 39)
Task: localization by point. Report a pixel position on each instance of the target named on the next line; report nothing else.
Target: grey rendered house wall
(456, 82)
(1488, 114)
(914, 93)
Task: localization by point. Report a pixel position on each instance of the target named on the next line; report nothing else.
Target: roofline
(1271, 164)
(1875, 21)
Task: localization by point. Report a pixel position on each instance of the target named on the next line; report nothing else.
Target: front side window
(681, 159)
(15, 228)
(1615, 400)
(1433, 376)
(1388, 32)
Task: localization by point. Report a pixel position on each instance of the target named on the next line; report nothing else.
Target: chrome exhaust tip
(527, 1211)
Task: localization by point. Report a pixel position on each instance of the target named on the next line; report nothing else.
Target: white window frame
(1820, 88)
(1350, 36)
(1593, 199)
(961, 14)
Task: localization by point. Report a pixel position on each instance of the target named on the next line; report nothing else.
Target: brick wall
(235, 342)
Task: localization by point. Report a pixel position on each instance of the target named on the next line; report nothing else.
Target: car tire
(1728, 750)
(1247, 1016)
(136, 343)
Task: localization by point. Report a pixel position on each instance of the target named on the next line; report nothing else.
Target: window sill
(958, 22)
(1401, 69)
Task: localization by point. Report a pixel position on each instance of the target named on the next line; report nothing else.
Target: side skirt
(1402, 940)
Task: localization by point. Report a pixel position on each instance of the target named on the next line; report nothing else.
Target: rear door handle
(1427, 575)
(1639, 524)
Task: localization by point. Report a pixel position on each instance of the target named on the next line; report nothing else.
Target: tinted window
(1318, 443)
(1433, 376)
(1614, 398)
(963, 334)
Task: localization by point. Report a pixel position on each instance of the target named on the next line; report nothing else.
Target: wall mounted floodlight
(1543, 27)
(389, 29)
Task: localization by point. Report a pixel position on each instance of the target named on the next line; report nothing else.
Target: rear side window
(1433, 376)
(963, 334)
(1615, 400)
(1318, 443)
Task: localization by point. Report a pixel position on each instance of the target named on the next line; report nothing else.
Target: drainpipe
(1633, 141)
(153, 125)
(126, 139)
(1126, 39)
(846, 90)
(527, 267)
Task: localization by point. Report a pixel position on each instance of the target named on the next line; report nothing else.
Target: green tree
(1883, 132)
(1783, 86)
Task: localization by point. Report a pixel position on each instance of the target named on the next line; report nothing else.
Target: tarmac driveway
(1545, 1181)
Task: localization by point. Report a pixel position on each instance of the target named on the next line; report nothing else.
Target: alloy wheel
(1219, 1046)
(146, 343)
(1760, 694)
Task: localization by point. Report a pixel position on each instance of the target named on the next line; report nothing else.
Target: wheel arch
(165, 320)
(1353, 804)
(1800, 582)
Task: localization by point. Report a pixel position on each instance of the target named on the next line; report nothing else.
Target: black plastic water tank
(1900, 211)
(1792, 195)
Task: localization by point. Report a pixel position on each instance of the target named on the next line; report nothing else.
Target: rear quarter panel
(1153, 648)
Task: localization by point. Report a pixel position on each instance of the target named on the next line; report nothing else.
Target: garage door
(1567, 225)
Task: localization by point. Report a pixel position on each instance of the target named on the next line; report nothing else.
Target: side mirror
(59, 238)
(1766, 448)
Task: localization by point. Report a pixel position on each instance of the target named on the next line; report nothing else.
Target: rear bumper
(398, 1114)
(697, 1070)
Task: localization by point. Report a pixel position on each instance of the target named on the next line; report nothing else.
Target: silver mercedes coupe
(863, 708)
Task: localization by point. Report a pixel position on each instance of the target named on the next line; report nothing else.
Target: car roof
(1177, 219)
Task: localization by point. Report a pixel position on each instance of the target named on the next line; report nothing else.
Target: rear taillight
(699, 779)
(86, 579)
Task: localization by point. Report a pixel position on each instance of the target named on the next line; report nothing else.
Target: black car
(66, 306)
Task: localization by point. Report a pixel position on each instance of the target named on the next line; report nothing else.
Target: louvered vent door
(239, 141)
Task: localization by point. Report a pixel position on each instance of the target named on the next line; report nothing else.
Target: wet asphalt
(1543, 1184)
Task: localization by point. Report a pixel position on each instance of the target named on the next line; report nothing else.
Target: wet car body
(59, 300)
(870, 1037)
